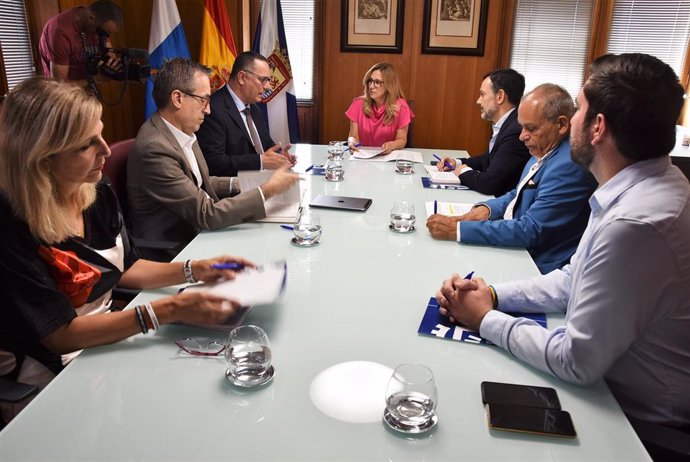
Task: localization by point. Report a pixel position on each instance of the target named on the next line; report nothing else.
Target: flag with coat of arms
(279, 104)
(166, 41)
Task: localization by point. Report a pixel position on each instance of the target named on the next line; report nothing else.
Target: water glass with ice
(411, 397)
(248, 356)
(336, 149)
(404, 164)
(402, 217)
(335, 170)
(307, 229)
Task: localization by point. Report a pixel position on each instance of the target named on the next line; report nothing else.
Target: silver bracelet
(152, 314)
(188, 275)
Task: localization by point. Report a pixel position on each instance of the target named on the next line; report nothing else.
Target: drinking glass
(336, 149)
(248, 356)
(402, 217)
(404, 164)
(411, 398)
(335, 170)
(307, 229)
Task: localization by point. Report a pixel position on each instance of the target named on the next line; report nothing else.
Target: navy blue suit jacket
(550, 214)
(498, 171)
(224, 140)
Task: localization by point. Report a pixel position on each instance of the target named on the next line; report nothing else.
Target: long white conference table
(352, 306)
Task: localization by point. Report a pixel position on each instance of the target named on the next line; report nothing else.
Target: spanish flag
(217, 46)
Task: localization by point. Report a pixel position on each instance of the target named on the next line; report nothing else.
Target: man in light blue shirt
(626, 291)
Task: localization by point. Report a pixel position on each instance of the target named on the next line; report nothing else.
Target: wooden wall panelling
(443, 87)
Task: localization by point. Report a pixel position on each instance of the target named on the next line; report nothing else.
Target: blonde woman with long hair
(63, 245)
(381, 116)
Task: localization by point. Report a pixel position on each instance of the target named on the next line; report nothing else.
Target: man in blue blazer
(497, 171)
(548, 211)
(232, 140)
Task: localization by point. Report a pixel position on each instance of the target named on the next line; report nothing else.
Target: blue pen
(288, 227)
(356, 146)
(229, 266)
(446, 164)
(469, 276)
(308, 168)
(435, 207)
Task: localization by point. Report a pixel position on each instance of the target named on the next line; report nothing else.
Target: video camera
(135, 65)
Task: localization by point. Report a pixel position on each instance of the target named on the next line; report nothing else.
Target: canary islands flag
(166, 41)
(279, 104)
(217, 46)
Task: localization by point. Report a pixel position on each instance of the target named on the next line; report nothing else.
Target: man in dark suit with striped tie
(234, 136)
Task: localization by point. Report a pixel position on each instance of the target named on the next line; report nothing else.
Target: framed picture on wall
(454, 27)
(371, 26)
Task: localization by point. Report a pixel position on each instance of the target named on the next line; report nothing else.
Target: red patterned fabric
(74, 277)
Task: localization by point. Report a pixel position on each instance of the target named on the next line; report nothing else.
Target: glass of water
(404, 164)
(336, 149)
(335, 170)
(248, 357)
(411, 398)
(307, 229)
(402, 217)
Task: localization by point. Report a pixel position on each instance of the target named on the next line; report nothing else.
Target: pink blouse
(372, 130)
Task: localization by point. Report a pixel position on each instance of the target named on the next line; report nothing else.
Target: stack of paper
(443, 177)
(281, 208)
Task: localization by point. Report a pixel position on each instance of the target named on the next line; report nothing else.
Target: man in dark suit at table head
(497, 171)
(626, 291)
(234, 136)
(170, 193)
(547, 211)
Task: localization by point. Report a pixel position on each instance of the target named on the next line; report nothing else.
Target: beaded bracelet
(152, 314)
(140, 317)
(188, 275)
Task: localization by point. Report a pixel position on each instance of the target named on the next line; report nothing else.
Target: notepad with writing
(435, 325)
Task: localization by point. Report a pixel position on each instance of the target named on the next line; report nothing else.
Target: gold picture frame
(454, 27)
(371, 26)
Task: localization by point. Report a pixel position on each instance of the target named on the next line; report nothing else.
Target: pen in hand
(445, 164)
(228, 266)
(435, 207)
(469, 276)
(349, 148)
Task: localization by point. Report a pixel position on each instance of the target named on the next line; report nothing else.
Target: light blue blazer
(549, 217)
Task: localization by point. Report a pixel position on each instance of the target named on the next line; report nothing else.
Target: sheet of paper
(259, 286)
(279, 208)
(373, 155)
(451, 209)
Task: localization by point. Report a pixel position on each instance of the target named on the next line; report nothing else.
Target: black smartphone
(525, 419)
(519, 395)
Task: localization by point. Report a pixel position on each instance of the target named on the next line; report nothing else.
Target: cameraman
(69, 38)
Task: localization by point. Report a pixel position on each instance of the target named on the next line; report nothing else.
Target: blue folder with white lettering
(426, 182)
(435, 325)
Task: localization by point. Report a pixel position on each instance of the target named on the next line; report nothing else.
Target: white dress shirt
(495, 128)
(626, 295)
(186, 142)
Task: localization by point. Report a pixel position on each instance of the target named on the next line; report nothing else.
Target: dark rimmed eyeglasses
(375, 82)
(204, 100)
(263, 80)
(201, 347)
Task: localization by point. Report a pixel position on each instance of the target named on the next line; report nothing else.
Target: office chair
(115, 169)
(14, 392)
(663, 443)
